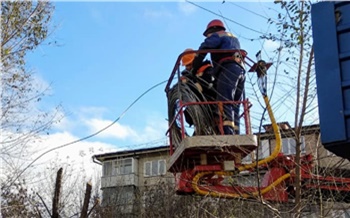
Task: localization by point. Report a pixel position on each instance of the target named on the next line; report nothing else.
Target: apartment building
(126, 175)
(129, 175)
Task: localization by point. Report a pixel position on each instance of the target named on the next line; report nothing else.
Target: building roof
(130, 153)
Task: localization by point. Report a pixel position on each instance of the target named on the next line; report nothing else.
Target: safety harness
(237, 57)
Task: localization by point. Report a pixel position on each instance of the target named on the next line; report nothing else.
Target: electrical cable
(140, 145)
(249, 10)
(225, 17)
(89, 136)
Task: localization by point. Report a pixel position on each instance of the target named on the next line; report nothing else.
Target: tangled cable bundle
(200, 115)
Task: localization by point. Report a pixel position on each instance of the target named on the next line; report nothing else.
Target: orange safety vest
(201, 70)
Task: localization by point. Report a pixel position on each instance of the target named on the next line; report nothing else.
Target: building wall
(323, 158)
(121, 200)
(151, 180)
(126, 192)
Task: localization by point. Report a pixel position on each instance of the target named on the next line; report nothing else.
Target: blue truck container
(331, 36)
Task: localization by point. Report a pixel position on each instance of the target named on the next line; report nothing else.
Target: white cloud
(61, 149)
(64, 123)
(154, 129)
(74, 120)
(90, 120)
(41, 84)
(64, 148)
(186, 7)
(95, 111)
(60, 146)
(157, 14)
(270, 45)
(117, 130)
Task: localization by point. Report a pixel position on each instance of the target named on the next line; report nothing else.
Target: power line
(249, 11)
(156, 141)
(225, 17)
(89, 136)
(256, 31)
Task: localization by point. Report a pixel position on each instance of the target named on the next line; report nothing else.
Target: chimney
(281, 125)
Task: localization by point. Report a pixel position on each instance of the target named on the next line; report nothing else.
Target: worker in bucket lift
(203, 81)
(228, 71)
(203, 78)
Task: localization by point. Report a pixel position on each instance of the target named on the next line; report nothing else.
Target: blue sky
(109, 53)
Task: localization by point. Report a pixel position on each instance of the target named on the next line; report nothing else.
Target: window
(154, 168)
(107, 168)
(289, 144)
(264, 149)
(288, 147)
(118, 167)
(123, 166)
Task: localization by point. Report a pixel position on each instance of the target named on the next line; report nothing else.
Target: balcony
(119, 180)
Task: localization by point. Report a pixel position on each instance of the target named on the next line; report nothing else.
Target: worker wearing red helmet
(229, 71)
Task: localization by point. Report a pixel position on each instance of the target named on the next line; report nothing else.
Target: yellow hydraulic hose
(233, 195)
(248, 166)
(277, 149)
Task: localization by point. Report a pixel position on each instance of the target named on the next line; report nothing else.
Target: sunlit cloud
(157, 14)
(62, 138)
(67, 148)
(67, 144)
(117, 130)
(155, 129)
(41, 84)
(63, 148)
(92, 111)
(90, 121)
(73, 121)
(64, 123)
(186, 7)
(270, 45)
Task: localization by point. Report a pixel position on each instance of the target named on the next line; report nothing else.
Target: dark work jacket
(218, 40)
(206, 80)
(204, 77)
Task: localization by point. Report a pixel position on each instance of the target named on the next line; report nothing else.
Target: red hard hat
(217, 24)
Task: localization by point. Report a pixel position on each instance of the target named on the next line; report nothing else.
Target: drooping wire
(89, 136)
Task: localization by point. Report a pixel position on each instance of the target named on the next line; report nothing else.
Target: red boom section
(211, 164)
